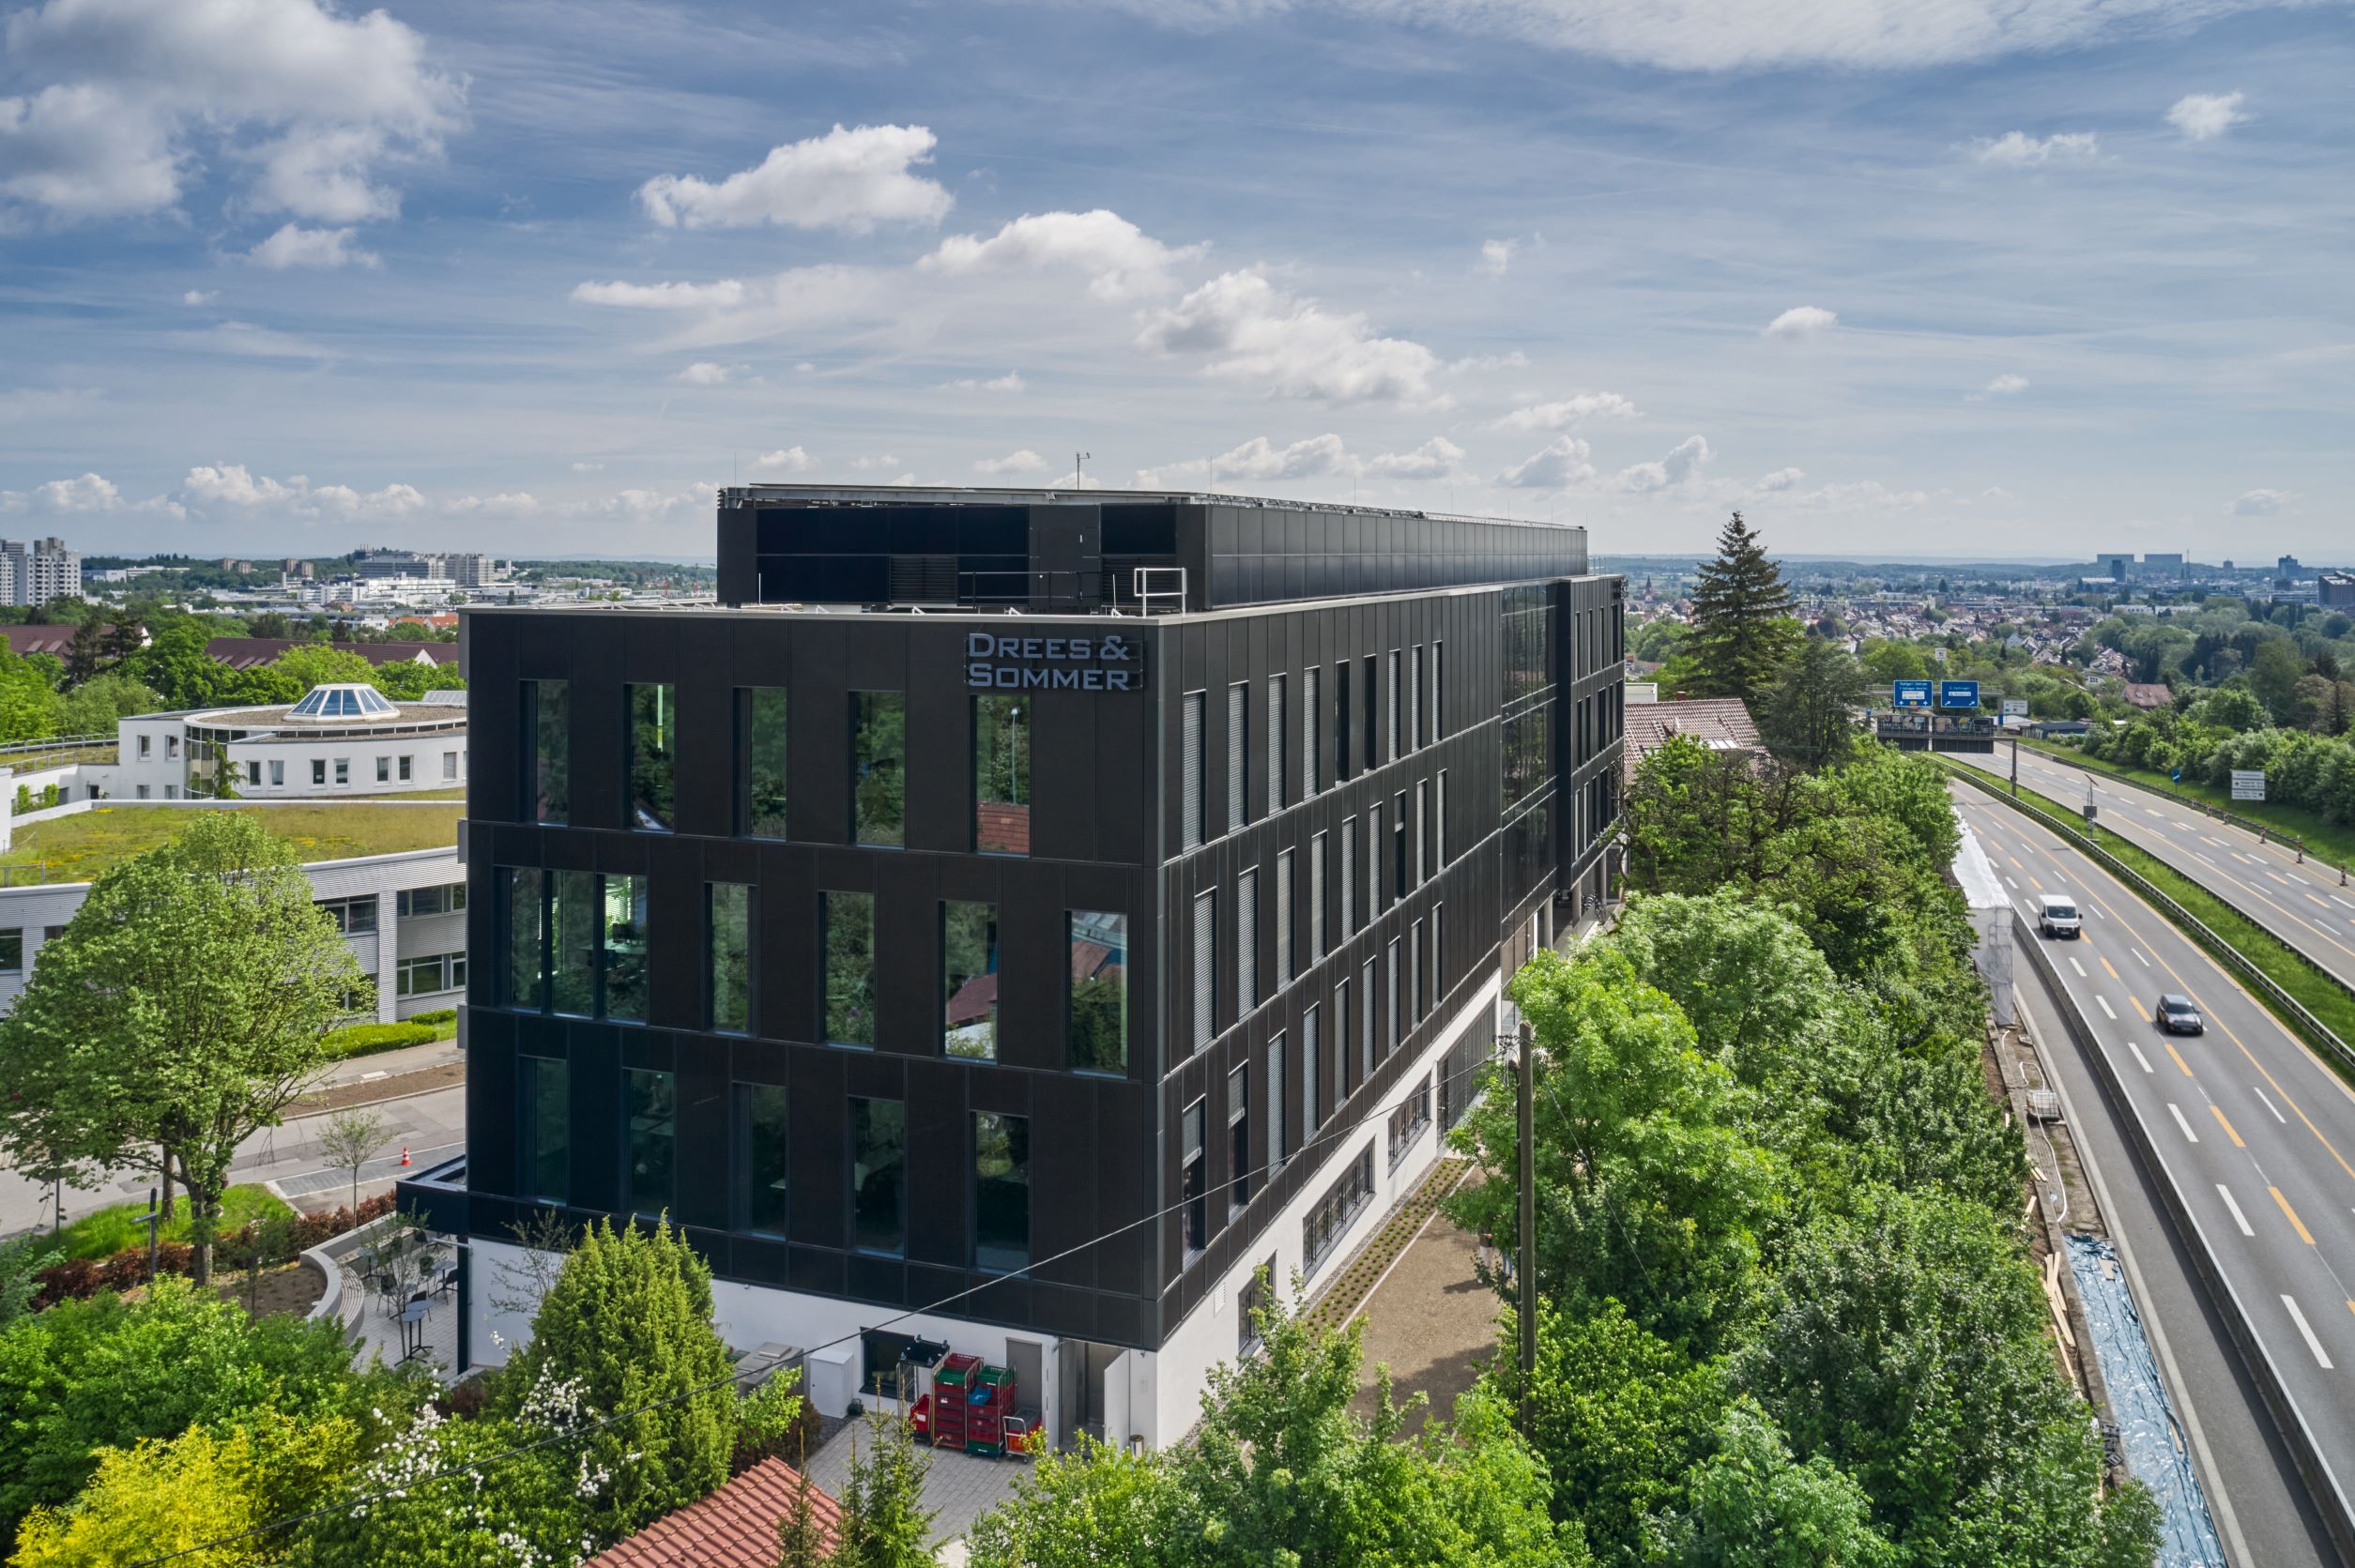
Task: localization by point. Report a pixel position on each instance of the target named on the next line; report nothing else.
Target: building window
(1191, 827)
(760, 761)
(1369, 1022)
(1276, 1131)
(1414, 692)
(650, 1102)
(1407, 1122)
(1278, 739)
(968, 979)
(12, 950)
(1311, 736)
(878, 758)
(1249, 1303)
(543, 1104)
(1316, 898)
(1399, 833)
(547, 738)
(1439, 969)
(1311, 1074)
(1238, 1139)
(575, 915)
(404, 769)
(171, 748)
(728, 945)
(879, 1166)
(449, 767)
(384, 769)
(1247, 941)
(1001, 775)
(1238, 754)
(760, 1158)
(1283, 919)
(277, 775)
(1422, 829)
(1346, 1083)
(1374, 863)
(1439, 823)
(1205, 966)
(1414, 971)
(318, 770)
(1097, 1007)
(526, 968)
(343, 770)
(442, 898)
(1344, 755)
(654, 742)
(1392, 734)
(1349, 878)
(1193, 1182)
(1373, 735)
(1001, 1192)
(1329, 1221)
(353, 917)
(253, 772)
(622, 930)
(1392, 1036)
(146, 744)
(849, 919)
(436, 972)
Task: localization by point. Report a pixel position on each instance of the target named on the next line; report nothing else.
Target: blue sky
(1970, 277)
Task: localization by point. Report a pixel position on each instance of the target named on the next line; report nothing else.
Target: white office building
(38, 572)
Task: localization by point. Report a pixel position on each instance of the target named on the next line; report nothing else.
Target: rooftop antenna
(1077, 459)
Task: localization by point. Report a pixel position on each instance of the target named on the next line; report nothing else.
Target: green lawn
(77, 848)
(2332, 840)
(106, 1232)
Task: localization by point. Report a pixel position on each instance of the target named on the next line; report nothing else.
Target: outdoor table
(413, 1329)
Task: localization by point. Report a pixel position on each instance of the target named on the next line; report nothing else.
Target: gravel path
(1432, 1321)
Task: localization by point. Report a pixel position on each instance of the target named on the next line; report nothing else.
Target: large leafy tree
(182, 1010)
(1742, 625)
(1807, 716)
(1751, 1505)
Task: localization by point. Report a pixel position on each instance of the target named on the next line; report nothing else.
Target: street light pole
(1525, 1262)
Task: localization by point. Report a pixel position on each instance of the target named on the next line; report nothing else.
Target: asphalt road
(2258, 1135)
(2303, 904)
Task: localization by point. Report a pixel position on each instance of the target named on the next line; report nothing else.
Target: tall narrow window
(1192, 830)
(650, 1155)
(1373, 733)
(653, 752)
(1238, 1139)
(1283, 918)
(1392, 734)
(547, 741)
(1279, 741)
(761, 1165)
(1374, 863)
(1238, 754)
(1194, 1179)
(1247, 941)
(1001, 775)
(543, 1165)
(1348, 1079)
(1414, 696)
(1368, 983)
(1349, 878)
(1205, 966)
(968, 979)
(623, 929)
(879, 763)
(1316, 898)
(1439, 823)
(1399, 886)
(1439, 720)
(1001, 1190)
(526, 939)
(728, 945)
(1311, 735)
(1439, 967)
(1277, 1129)
(878, 1171)
(849, 919)
(1415, 972)
(760, 751)
(1312, 1072)
(575, 918)
(1422, 829)
(1098, 1005)
(1394, 1038)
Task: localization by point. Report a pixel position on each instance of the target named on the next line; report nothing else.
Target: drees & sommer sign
(1112, 663)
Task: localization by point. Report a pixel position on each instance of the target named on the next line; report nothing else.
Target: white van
(2057, 916)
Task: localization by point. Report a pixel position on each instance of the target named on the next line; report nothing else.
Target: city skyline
(469, 280)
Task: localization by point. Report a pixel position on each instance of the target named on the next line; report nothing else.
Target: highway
(2257, 1134)
(2303, 904)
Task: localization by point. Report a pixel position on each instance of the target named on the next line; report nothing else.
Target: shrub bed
(79, 1277)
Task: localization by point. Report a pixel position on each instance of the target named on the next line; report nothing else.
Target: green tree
(407, 681)
(439, 1493)
(802, 1540)
(181, 1010)
(96, 706)
(286, 677)
(627, 1328)
(1807, 716)
(1750, 1505)
(175, 667)
(1886, 662)
(351, 1140)
(28, 701)
(2273, 675)
(1742, 627)
(1099, 1504)
(884, 1521)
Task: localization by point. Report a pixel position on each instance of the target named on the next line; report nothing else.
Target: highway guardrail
(2266, 832)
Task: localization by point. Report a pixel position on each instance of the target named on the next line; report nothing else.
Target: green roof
(78, 849)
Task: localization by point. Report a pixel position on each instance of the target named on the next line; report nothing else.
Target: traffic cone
(404, 1155)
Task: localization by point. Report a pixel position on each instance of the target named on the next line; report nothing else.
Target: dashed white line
(2237, 1218)
(2312, 1344)
(2016, 887)
(2080, 968)
(2107, 1011)
(2278, 877)
(2139, 958)
(2176, 1111)
(2269, 1105)
(2140, 1060)
(2242, 859)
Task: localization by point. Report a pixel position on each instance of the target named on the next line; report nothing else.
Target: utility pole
(2015, 768)
(1077, 459)
(1525, 1253)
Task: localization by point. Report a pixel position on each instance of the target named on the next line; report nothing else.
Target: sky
(1971, 277)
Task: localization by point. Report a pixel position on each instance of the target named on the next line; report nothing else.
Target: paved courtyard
(961, 1485)
(1431, 1320)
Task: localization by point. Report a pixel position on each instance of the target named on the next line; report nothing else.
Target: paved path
(1432, 1321)
(961, 1485)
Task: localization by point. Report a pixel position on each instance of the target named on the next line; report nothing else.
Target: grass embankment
(2275, 959)
(79, 847)
(2332, 840)
(366, 1039)
(107, 1231)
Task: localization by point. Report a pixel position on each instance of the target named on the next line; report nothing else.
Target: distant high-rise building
(2287, 567)
(2115, 567)
(2156, 564)
(2335, 588)
(370, 564)
(39, 573)
(473, 571)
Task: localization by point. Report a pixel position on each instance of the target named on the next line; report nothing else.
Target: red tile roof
(244, 653)
(1721, 724)
(39, 639)
(736, 1527)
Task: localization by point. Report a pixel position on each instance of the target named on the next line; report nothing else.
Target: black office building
(1012, 917)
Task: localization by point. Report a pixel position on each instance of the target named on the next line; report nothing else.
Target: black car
(2176, 1015)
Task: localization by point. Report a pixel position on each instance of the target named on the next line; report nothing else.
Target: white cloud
(2260, 503)
(661, 296)
(1434, 459)
(1120, 260)
(1802, 321)
(2201, 116)
(790, 302)
(200, 297)
(1255, 460)
(789, 460)
(2016, 149)
(296, 246)
(704, 373)
(588, 467)
(1023, 462)
(1497, 256)
(231, 484)
(1290, 348)
(2006, 385)
(879, 460)
(244, 339)
(1512, 361)
(1565, 412)
(1782, 479)
(846, 180)
(1864, 495)
(1011, 382)
(1559, 465)
(135, 92)
(91, 495)
(1683, 461)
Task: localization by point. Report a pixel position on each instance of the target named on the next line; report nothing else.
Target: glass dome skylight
(349, 700)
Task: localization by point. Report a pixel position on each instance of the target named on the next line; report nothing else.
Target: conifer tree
(1742, 628)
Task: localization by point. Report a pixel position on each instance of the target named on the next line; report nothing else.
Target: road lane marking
(2040, 887)
(2139, 958)
(2278, 877)
(2314, 900)
(2105, 1002)
(2297, 1224)
(2186, 827)
(2007, 877)
(2153, 811)
(2237, 1218)
(2080, 968)
(2112, 967)
(2146, 1015)
(2341, 903)
(2226, 1125)
(2178, 1056)
(2312, 1344)
(2015, 862)
(2140, 1060)
(2237, 855)
(2269, 1105)
(2176, 1111)
(2218, 842)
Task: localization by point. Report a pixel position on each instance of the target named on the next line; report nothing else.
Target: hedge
(360, 1040)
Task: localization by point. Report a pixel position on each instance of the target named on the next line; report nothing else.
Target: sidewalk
(1432, 1321)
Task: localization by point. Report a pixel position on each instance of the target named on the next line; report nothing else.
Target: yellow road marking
(2303, 1234)
(2226, 1125)
(2015, 862)
(2040, 887)
(2112, 967)
(2178, 1058)
(2146, 1014)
